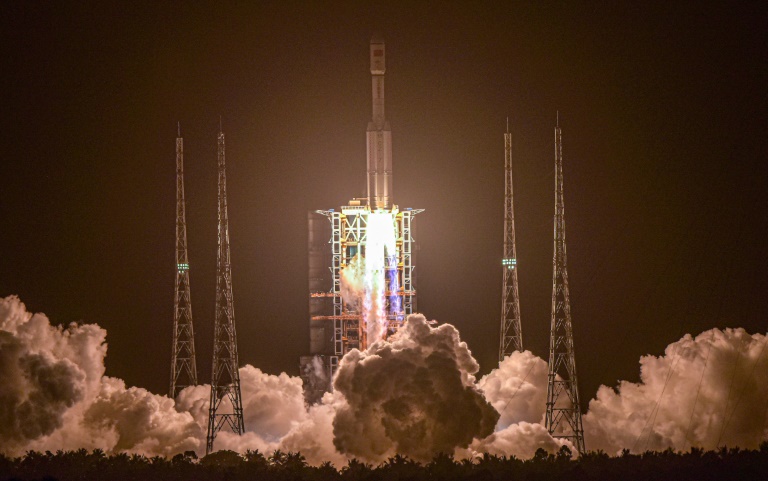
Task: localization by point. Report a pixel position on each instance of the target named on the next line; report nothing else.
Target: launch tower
(370, 240)
(511, 338)
(563, 417)
(226, 407)
(183, 364)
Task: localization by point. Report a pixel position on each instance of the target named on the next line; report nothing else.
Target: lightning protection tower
(183, 364)
(226, 407)
(511, 333)
(563, 417)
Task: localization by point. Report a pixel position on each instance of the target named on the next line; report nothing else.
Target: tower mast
(183, 364)
(226, 407)
(563, 417)
(511, 338)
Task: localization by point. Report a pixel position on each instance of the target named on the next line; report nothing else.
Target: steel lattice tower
(563, 417)
(183, 364)
(511, 338)
(226, 407)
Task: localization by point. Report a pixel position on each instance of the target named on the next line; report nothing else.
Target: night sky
(663, 111)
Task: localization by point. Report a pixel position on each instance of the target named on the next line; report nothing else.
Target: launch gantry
(348, 240)
(337, 325)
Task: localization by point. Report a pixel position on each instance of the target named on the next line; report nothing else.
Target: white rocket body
(379, 136)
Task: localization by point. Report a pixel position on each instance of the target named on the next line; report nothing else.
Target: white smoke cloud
(414, 393)
(55, 396)
(715, 393)
(313, 437)
(272, 407)
(420, 398)
(715, 390)
(517, 389)
(136, 420)
(44, 372)
(520, 440)
(36, 390)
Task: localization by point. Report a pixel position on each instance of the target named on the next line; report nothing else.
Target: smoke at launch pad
(415, 394)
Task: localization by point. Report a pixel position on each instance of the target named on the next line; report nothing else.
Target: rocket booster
(379, 136)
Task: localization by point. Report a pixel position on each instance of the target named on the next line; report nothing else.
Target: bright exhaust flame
(380, 250)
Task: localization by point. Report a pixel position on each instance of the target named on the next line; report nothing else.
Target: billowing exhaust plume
(517, 389)
(54, 394)
(414, 394)
(705, 391)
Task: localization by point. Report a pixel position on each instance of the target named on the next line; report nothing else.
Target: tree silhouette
(223, 459)
(356, 470)
(725, 463)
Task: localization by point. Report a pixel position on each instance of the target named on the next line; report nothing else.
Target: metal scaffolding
(183, 364)
(511, 337)
(344, 322)
(226, 407)
(563, 417)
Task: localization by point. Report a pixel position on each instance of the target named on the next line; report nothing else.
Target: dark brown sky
(663, 112)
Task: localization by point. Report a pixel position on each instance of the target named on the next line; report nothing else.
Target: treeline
(81, 465)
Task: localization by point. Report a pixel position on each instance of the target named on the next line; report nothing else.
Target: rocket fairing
(379, 136)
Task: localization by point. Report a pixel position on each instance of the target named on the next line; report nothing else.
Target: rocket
(379, 136)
